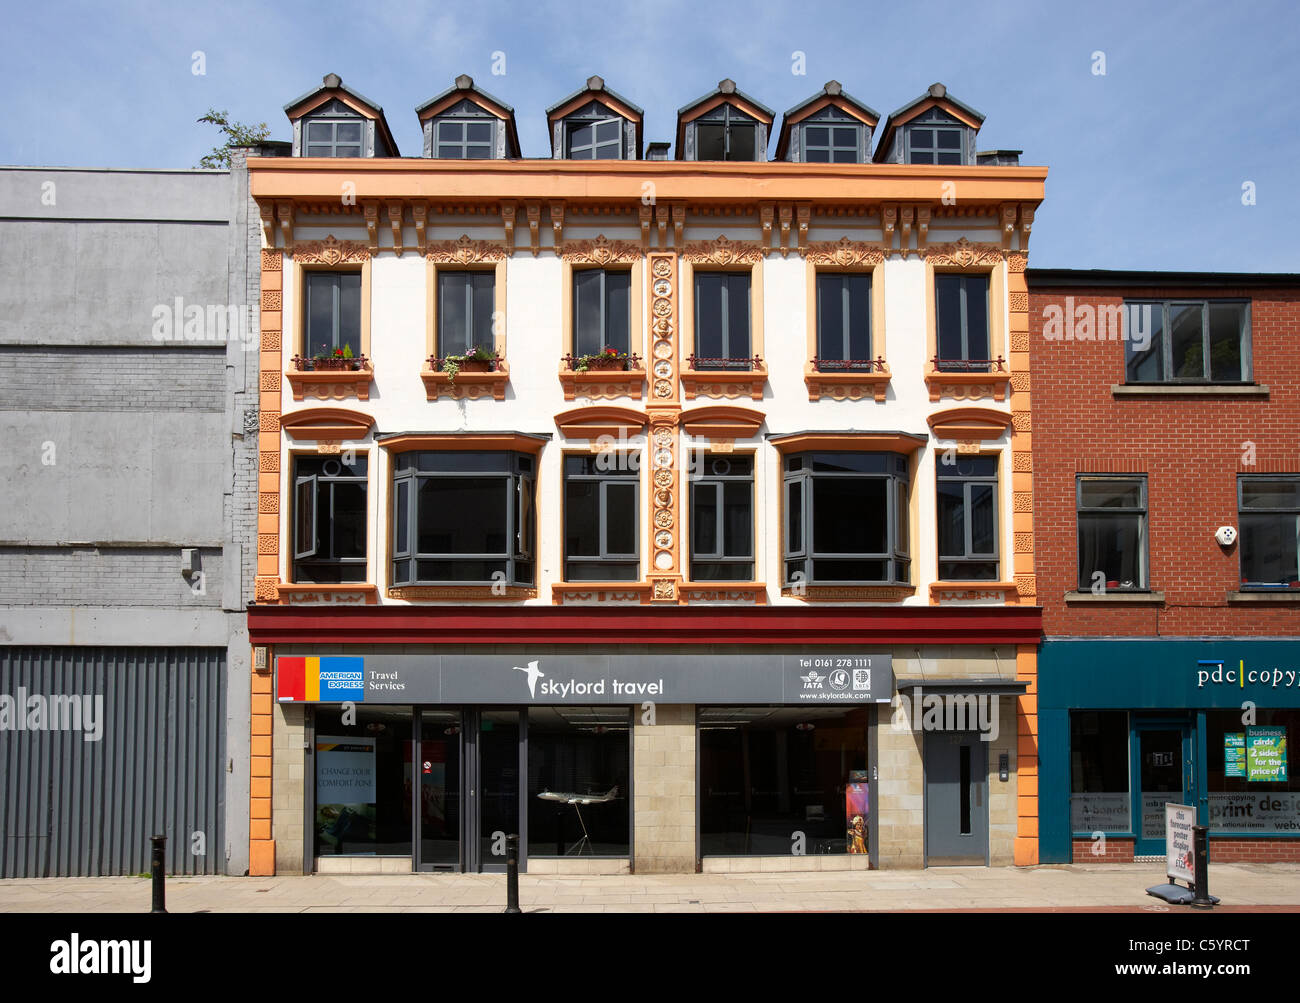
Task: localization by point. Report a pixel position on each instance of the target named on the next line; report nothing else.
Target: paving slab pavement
(1077, 886)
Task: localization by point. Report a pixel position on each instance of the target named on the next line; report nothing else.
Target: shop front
(1128, 726)
(426, 760)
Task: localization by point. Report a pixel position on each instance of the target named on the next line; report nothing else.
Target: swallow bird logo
(534, 674)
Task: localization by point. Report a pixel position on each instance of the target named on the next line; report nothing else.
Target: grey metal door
(956, 798)
(115, 745)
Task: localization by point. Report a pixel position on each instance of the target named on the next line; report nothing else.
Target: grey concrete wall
(114, 194)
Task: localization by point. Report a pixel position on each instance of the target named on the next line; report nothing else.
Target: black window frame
(797, 469)
(953, 473)
(583, 275)
(729, 118)
(967, 363)
(518, 474)
(332, 343)
(464, 142)
(1142, 510)
(319, 485)
(471, 340)
(831, 119)
(611, 468)
(934, 150)
(716, 481)
(1165, 341)
(1292, 511)
(333, 143)
(842, 359)
(729, 359)
(594, 118)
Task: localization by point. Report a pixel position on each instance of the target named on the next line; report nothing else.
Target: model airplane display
(568, 797)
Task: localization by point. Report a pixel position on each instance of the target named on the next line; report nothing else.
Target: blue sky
(1147, 162)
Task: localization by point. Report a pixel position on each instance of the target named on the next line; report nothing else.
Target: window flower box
(477, 375)
(330, 377)
(603, 375)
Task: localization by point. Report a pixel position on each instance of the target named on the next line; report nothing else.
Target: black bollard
(512, 874)
(156, 868)
(1201, 851)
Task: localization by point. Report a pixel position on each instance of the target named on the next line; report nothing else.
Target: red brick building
(1166, 514)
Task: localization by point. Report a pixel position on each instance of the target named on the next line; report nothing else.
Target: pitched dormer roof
(936, 97)
(725, 93)
(595, 90)
(830, 94)
(332, 88)
(464, 89)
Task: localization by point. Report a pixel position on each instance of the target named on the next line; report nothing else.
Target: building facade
(672, 513)
(130, 365)
(1167, 495)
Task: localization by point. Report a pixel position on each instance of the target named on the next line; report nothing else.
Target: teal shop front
(1126, 726)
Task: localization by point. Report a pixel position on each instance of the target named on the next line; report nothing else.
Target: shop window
(461, 139)
(1099, 772)
(1269, 517)
(1181, 341)
(601, 311)
(1251, 781)
(962, 322)
(578, 770)
(329, 520)
(773, 778)
(1112, 513)
(333, 137)
(722, 519)
(844, 321)
(968, 518)
(463, 517)
(846, 519)
(333, 314)
(722, 321)
(363, 781)
(600, 518)
(466, 302)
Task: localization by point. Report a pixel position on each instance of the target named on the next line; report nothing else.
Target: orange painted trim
(604, 383)
(847, 385)
(313, 595)
(848, 107)
(723, 421)
(330, 423)
(849, 442)
(723, 592)
(941, 592)
(587, 96)
(967, 386)
(969, 423)
(457, 97)
(579, 591)
(330, 384)
(728, 383)
(964, 117)
(594, 421)
(735, 100)
(851, 593)
(310, 181)
(474, 442)
(461, 593)
(466, 386)
(311, 103)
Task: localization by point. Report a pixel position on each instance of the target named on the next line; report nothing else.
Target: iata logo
(813, 681)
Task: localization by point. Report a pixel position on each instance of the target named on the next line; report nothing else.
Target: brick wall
(106, 576)
(1112, 851)
(89, 378)
(1190, 448)
(1222, 851)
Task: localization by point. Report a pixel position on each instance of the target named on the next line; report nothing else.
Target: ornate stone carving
(268, 543)
(1023, 501)
(464, 251)
(1024, 543)
(266, 589)
(331, 251)
(508, 225)
(271, 260)
(843, 253)
(1018, 302)
(269, 421)
(271, 340)
(1016, 261)
(269, 462)
(270, 299)
(601, 251)
(269, 381)
(395, 216)
(1025, 585)
(1021, 421)
(665, 589)
(963, 253)
(482, 593)
(1022, 461)
(268, 503)
(851, 593)
(723, 251)
(749, 594)
(1019, 341)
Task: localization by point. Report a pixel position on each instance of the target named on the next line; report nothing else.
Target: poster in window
(856, 814)
(345, 791)
(1234, 754)
(1266, 754)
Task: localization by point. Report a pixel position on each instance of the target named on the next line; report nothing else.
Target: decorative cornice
(967, 386)
(725, 383)
(849, 442)
(331, 251)
(602, 251)
(848, 384)
(850, 593)
(722, 421)
(330, 384)
(723, 251)
(725, 592)
(600, 593)
(462, 593)
(963, 253)
(465, 251)
(467, 385)
(327, 595)
(517, 442)
(606, 420)
(328, 423)
(602, 384)
(984, 424)
(843, 253)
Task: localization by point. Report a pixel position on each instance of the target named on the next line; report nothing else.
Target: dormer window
(335, 131)
(595, 133)
(726, 133)
(466, 123)
(935, 139)
(461, 139)
(832, 137)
